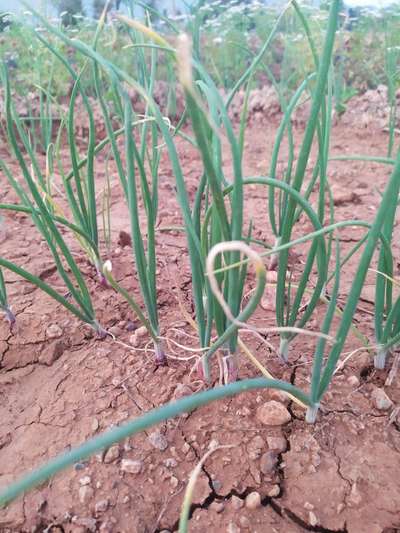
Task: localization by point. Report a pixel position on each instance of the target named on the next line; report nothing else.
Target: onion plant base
(311, 414)
(284, 350)
(381, 357)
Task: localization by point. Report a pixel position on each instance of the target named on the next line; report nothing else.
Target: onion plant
(35, 200)
(284, 221)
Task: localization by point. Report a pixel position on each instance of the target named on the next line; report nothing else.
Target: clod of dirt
(274, 491)
(217, 507)
(85, 480)
(269, 462)
(353, 381)
(237, 503)
(112, 454)
(278, 444)
(253, 500)
(51, 352)
(158, 441)
(381, 400)
(137, 337)
(124, 239)
(245, 522)
(312, 519)
(86, 493)
(273, 413)
(256, 447)
(131, 466)
(101, 506)
(232, 528)
(88, 524)
(54, 331)
(347, 198)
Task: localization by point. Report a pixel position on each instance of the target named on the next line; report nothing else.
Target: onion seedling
(43, 218)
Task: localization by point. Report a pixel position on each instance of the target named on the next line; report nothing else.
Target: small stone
(54, 331)
(237, 503)
(273, 413)
(85, 494)
(51, 352)
(131, 466)
(313, 519)
(182, 390)
(279, 444)
(85, 480)
(138, 336)
(279, 396)
(174, 481)
(218, 507)
(309, 506)
(353, 381)
(255, 447)
(126, 499)
(185, 448)
(115, 330)
(171, 462)
(244, 522)
(381, 400)
(95, 425)
(112, 454)
(253, 500)
(213, 444)
(89, 524)
(158, 441)
(340, 508)
(269, 462)
(232, 528)
(101, 506)
(274, 491)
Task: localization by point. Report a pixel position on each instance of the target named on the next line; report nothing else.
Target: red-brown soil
(339, 475)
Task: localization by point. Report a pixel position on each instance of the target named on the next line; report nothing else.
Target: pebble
(274, 491)
(237, 503)
(253, 500)
(174, 481)
(273, 413)
(95, 425)
(85, 480)
(279, 396)
(112, 454)
(381, 400)
(279, 444)
(158, 441)
(54, 331)
(171, 462)
(185, 448)
(353, 381)
(269, 462)
(255, 447)
(131, 466)
(126, 499)
(115, 330)
(232, 528)
(244, 522)
(218, 507)
(137, 337)
(85, 494)
(101, 506)
(313, 519)
(182, 390)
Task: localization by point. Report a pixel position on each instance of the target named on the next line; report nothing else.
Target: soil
(59, 385)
